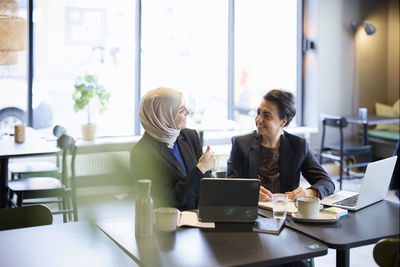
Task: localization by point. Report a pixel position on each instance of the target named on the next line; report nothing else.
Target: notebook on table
(374, 187)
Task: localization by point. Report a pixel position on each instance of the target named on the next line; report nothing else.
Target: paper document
(190, 218)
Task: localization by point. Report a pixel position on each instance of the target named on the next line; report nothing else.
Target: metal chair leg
(64, 207)
(341, 174)
(20, 197)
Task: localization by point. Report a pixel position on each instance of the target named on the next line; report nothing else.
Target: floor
(103, 206)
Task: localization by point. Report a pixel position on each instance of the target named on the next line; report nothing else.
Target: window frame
(137, 86)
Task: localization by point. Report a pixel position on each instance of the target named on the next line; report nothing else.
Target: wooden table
(360, 228)
(69, 244)
(205, 247)
(10, 149)
(371, 120)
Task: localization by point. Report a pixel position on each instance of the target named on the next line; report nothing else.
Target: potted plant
(88, 89)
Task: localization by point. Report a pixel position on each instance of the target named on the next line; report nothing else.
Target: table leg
(201, 135)
(343, 257)
(3, 182)
(365, 134)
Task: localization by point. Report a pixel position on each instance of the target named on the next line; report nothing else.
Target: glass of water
(279, 205)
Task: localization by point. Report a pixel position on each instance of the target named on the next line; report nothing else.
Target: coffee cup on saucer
(307, 207)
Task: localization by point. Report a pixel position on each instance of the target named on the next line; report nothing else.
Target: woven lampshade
(12, 32)
(8, 57)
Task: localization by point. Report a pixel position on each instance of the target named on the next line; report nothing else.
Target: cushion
(388, 111)
(382, 134)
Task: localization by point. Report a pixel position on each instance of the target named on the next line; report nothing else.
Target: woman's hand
(265, 194)
(207, 161)
(300, 192)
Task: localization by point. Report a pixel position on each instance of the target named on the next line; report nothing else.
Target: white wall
(349, 70)
(393, 52)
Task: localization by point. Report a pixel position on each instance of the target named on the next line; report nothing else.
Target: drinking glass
(279, 205)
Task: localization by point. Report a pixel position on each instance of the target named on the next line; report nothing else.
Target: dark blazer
(151, 159)
(294, 157)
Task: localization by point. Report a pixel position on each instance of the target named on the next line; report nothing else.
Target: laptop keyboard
(349, 202)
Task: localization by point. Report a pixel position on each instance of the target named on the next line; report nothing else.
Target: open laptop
(374, 187)
(228, 199)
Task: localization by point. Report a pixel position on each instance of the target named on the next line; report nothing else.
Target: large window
(13, 70)
(184, 46)
(74, 38)
(265, 52)
(221, 54)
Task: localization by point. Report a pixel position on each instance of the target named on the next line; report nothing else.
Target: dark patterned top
(268, 170)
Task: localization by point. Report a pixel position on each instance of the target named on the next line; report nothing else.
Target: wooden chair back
(26, 216)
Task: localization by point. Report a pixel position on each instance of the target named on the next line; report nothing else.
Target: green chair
(387, 252)
(28, 216)
(40, 190)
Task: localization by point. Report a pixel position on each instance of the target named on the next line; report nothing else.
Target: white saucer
(324, 217)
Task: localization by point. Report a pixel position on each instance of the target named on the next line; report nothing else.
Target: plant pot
(88, 131)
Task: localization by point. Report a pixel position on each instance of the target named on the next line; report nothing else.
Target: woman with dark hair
(276, 157)
(169, 154)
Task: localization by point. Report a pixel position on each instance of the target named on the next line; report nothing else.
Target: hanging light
(12, 32)
(369, 28)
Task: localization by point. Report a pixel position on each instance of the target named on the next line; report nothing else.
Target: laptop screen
(228, 199)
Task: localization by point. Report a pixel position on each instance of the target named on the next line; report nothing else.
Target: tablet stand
(234, 227)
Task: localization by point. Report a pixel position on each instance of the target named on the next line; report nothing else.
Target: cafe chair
(19, 169)
(59, 190)
(340, 150)
(28, 216)
(387, 252)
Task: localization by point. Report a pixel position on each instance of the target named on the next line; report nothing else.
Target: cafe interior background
(224, 56)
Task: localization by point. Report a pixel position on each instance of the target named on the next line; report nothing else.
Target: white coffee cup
(166, 219)
(307, 207)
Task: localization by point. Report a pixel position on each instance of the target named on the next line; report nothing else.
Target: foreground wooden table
(69, 244)
(201, 247)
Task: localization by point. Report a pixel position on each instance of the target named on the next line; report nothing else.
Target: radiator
(101, 163)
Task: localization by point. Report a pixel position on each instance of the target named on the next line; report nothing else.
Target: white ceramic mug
(308, 207)
(166, 219)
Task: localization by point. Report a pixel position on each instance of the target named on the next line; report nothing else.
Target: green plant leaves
(87, 88)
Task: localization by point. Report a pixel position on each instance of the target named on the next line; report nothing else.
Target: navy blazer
(294, 157)
(151, 159)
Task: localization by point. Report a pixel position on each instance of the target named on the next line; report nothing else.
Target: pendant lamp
(12, 32)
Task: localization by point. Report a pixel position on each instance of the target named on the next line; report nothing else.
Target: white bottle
(144, 210)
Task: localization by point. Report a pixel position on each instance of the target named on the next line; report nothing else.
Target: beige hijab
(158, 110)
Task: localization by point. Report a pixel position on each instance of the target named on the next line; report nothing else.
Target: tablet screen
(228, 199)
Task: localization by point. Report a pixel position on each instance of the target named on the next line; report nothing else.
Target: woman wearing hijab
(276, 157)
(169, 154)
